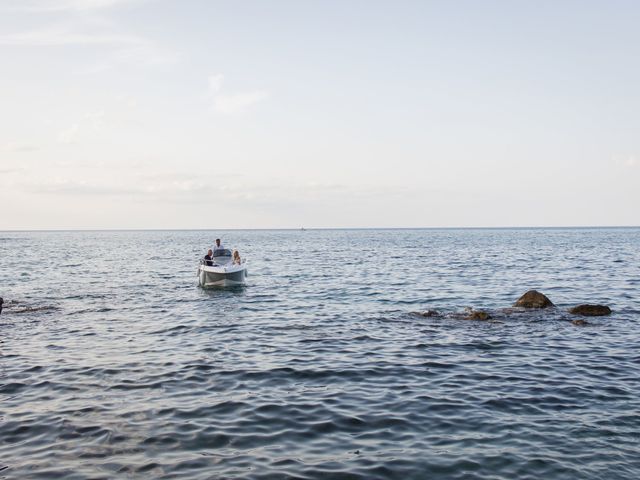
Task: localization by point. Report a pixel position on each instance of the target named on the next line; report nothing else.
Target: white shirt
(221, 247)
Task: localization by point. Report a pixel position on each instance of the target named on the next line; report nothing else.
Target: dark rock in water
(533, 299)
(478, 315)
(429, 313)
(591, 310)
(1, 302)
(580, 322)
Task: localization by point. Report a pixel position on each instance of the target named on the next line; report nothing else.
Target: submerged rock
(472, 314)
(590, 310)
(478, 315)
(580, 322)
(429, 313)
(533, 299)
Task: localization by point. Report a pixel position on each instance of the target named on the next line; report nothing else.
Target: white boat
(220, 271)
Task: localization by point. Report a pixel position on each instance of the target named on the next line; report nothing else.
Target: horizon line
(298, 229)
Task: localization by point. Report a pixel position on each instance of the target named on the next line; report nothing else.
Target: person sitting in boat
(207, 258)
(236, 258)
(218, 245)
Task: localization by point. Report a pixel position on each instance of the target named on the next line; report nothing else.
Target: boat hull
(221, 276)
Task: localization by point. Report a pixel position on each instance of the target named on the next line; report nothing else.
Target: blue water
(114, 364)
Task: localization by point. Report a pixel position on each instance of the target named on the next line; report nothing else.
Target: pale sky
(261, 114)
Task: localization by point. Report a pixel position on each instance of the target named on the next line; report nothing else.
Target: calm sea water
(115, 364)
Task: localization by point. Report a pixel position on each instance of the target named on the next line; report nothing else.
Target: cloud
(215, 83)
(127, 101)
(184, 188)
(58, 36)
(47, 6)
(155, 189)
(628, 161)
(141, 55)
(121, 48)
(77, 187)
(69, 135)
(232, 103)
(91, 124)
(14, 147)
(238, 102)
(10, 170)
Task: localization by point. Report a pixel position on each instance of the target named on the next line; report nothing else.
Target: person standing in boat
(218, 246)
(207, 258)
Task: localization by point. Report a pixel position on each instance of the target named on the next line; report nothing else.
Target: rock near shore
(478, 315)
(533, 299)
(591, 310)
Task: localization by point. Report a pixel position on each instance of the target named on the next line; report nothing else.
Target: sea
(114, 363)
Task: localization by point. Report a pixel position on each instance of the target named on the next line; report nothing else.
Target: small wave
(43, 308)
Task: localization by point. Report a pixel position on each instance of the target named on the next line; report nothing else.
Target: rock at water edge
(533, 299)
(591, 310)
(478, 315)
